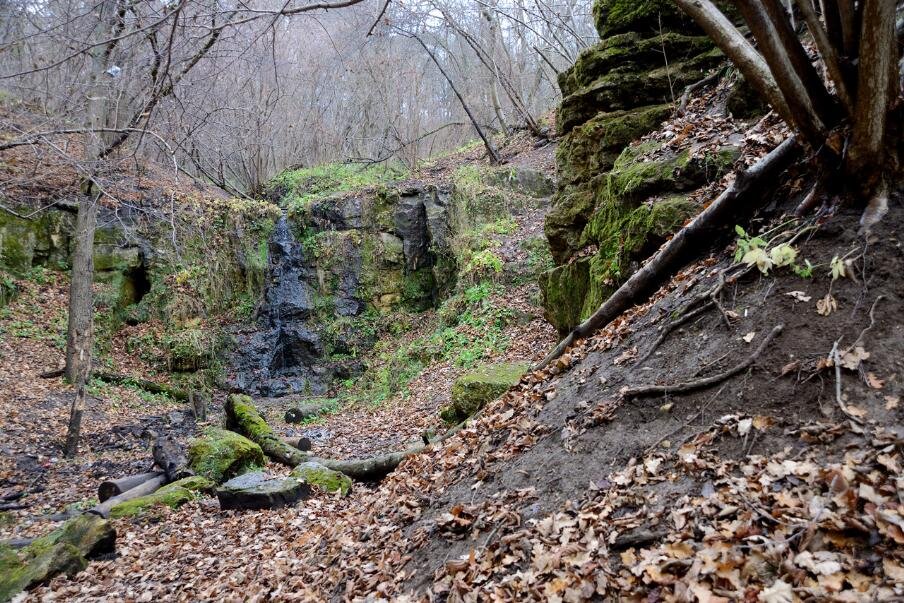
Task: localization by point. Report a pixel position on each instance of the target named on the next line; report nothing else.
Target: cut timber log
(170, 457)
(730, 207)
(115, 487)
(143, 489)
(242, 416)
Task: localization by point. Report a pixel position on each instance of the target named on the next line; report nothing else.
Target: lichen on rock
(221, 454)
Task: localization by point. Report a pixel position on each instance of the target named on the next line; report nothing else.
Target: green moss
(418, 289)
(474, 389)
(565, 290)
(565, 221)
(220, 454)
(316, 474)
(593, 147)
(63, 551)
(618, 16)
(299, 187)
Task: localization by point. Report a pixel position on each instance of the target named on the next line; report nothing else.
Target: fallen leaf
(779, 592)
(749, 337)
(800, 296)
(826, 305)
(891, 402)
(851, 359)
(873, 381)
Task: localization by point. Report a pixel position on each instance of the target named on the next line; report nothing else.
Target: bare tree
(846, 118)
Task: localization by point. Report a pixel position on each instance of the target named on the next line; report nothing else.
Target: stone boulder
(221, 454)
(322, 477)
(474, 389)
(260, 491)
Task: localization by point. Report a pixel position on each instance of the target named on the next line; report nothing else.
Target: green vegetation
(298, 188)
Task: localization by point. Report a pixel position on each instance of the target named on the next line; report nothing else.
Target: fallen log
(115, 487)
(243, 416)
(731, 206)
(149, 386)
(143, 489)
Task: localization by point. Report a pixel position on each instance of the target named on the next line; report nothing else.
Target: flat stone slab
(260, 491)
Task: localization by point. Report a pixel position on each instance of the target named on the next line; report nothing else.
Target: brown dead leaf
(826, 305)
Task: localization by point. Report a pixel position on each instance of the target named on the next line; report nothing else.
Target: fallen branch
(115, 487)
(686, 95)
(243, 416)
(732, 204)
(688, 386)
(148, 386)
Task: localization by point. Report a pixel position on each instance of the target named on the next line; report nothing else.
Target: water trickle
(281, 356)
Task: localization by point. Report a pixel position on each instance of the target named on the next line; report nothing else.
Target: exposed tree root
(688, 386)
(243, 416)
(739, 199)
(667, 329)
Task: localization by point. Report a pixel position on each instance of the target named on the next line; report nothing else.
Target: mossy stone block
(474, 389)
(323, 477)
(63, 551)
(221, 454)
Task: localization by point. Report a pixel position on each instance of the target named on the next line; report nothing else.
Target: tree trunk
(81, 300)
(875, 92)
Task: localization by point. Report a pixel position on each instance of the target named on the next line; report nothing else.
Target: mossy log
(149, 386)
(243, 416)
(63, 551)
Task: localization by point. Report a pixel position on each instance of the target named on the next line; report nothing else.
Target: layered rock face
(614, 203)
(334, 266)
(46, 239)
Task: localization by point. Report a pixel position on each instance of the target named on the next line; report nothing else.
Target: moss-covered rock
(616, 91)
(744, 102)
(221, 454)
(63, 551)
(618, 16)
(631, 53)
(172, 495)
(316, 474)
(592, 148)
(565, 293)
(564, 223)
(474, 389)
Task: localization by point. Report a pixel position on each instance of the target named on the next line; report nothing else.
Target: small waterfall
(281, 356)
